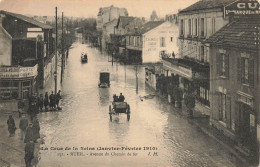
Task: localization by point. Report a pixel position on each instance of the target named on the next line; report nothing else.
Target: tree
(178, 96)
(190, 102)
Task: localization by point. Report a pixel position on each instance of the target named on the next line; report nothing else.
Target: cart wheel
(110, 117)
(128, 117)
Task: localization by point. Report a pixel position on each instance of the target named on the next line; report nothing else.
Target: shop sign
(243, 7)
(18, 72)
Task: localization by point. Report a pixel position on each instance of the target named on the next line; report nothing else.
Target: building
(191, 68)
(173, 18)
(234, 81)
(26, 55)
(124, 26)
(151, 41)
(108, 14)
(108, 29)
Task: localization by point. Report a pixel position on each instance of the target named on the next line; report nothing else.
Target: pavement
(202, 122)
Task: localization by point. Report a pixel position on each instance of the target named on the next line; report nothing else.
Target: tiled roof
(125, 20)
(240, 33)
(147, 27)
(27, 19)
(207, 4)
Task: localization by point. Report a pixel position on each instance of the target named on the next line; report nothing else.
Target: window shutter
(226, 65)
(218, 63)
(219, 106)
(251, 71)
(239, 72)
(228, 110)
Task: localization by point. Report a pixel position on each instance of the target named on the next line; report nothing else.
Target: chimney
(2, 16)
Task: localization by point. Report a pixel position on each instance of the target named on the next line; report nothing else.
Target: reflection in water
(104, 96)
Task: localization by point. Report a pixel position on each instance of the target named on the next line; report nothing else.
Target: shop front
(247, 122)
(17, 82)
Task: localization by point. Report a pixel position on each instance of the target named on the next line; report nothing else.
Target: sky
(90, 8)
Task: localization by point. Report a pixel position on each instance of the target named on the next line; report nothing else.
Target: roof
(124, 20)
(27, 19)
(238, 34)
(147, 27)
(111, 22)
(207, 4)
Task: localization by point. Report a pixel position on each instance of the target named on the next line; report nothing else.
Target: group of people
(52, 101)
(29, 133)
(121, 98)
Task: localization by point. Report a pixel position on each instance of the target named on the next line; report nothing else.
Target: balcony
(187, 68)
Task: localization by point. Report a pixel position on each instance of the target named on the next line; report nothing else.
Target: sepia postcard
(129, 83)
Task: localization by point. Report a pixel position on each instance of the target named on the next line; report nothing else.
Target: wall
(213, 21)
(5, 47)
(229, 86)
(151, 42)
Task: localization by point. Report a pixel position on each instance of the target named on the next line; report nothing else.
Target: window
(171, 39)
(196, 27)
(222, 109)
(189, 26)
(204, 96)
(223, 64)
(182, 27)
(202, 33)
(162, 42)
(246, 69)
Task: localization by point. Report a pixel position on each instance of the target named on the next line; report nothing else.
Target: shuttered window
(222, 64)
(247, 70)
(222, 109)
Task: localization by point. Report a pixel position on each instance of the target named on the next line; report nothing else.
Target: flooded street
(84, 122)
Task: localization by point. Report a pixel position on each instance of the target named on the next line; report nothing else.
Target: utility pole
(56, 56)
(62, 49)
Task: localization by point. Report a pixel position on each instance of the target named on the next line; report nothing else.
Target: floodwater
(155, 136)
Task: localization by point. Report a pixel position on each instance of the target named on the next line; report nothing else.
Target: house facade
(234, 81)
(29, 49)
(152, 41)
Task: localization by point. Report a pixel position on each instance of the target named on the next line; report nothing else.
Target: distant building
(152, 41)
(154, 16)
(25, 49)
(124, 26)
(173, 18)
(108, 29)
(108, 14)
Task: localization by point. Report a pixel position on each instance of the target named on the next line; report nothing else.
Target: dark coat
(29, 151)
(28, 135)
(23, 124)
(46, 100)
(36, 130)
(11, 125)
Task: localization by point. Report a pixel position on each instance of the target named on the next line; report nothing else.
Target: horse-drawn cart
(119, 108)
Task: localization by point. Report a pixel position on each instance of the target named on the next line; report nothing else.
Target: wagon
(84, 58)
(118, 108)
(104, 80)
